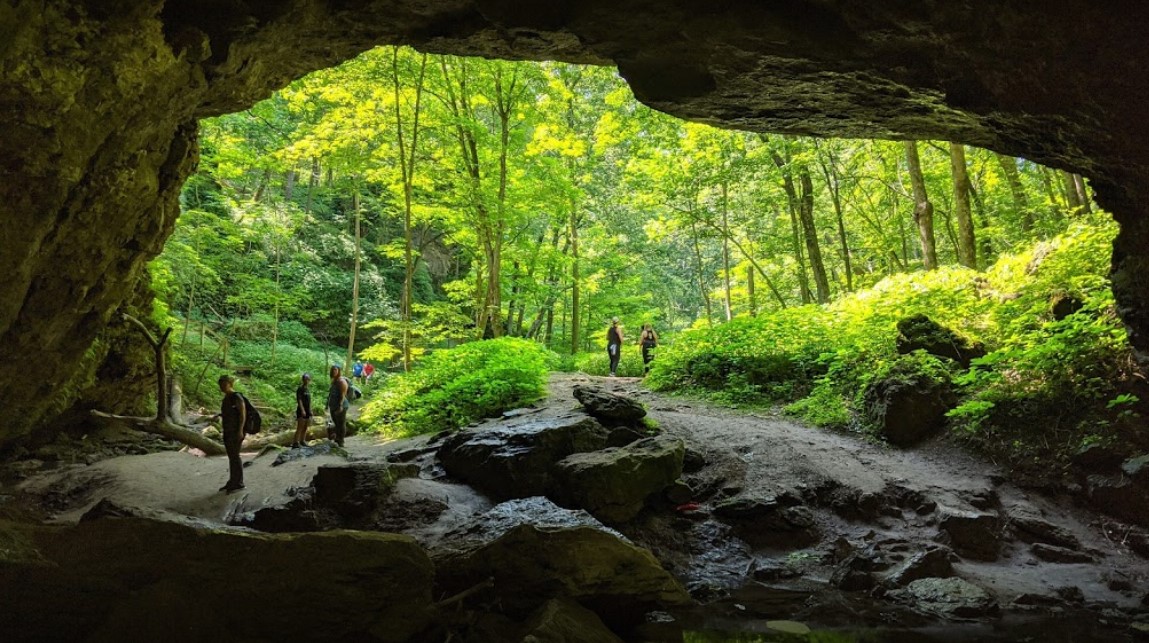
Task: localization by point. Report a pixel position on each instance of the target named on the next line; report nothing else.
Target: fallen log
(169, 403)
(170, 430)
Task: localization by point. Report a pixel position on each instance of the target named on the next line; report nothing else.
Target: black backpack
(353, 392)
(254, 422)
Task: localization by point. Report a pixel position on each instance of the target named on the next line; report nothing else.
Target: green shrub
(1042, 389)
(452, 387)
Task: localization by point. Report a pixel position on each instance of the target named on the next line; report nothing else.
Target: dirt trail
(759, 454)
(845, 483)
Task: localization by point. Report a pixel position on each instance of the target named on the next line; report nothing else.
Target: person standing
(233, 412)
(302, 411)
(357, 372)
(338, 404)
(614, 345)
(368, 371)
(648, 340)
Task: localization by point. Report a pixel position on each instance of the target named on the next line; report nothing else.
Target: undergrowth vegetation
(1058, 374)
(450, 388)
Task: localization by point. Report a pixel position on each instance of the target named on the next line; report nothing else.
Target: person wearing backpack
(338, 403)
(233, 412)
(614, 345)
(648, 340)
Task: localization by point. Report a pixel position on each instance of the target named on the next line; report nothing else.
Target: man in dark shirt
(337, 404)
(233, 411)
(302, 411)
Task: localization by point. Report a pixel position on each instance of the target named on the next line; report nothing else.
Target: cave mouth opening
(161, 154)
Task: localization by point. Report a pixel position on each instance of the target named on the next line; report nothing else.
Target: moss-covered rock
(145, 579)
(919, 332)
(908, 400)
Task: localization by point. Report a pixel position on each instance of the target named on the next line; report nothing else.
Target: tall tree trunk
(289, 185)
(751, 296)
(1069, 187)
(278, 295)
(1017, 191)
(1082, 193)
(354, 283)
(312, 184)
(806, 214)
(574, 333)
(923, 209)
(795, 231)
(407, 157)
(833, 181)
(701, 278)
(967, 253)
(726, 251)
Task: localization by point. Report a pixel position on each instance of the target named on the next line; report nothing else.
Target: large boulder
(354, 490)
(516, 460)
(934, 562)
(908, 404)
(919, 332)
(613, 484)
(951, 598)
(972, 534)
(1126, 495)
(111, 579)
(609, 408)
(535, 551)
(564, 621)
(769, 521)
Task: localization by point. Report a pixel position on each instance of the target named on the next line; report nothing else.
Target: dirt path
(757, 454)
(848, 486)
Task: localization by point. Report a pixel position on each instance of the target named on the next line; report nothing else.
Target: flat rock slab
(1053, 554)
(516, 459)
(324, 447)
(610, 408)
(935, 562)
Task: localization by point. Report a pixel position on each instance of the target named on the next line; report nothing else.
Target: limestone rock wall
(99, 101)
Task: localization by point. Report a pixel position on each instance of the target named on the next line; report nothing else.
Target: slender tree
(923, 209)
(966, 248)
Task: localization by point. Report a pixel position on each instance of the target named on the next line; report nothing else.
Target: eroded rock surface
(613, 484)
(517, 459)
(609, 408)
(536, 551)
(158, 580)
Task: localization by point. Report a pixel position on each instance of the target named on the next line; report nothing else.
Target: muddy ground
(858, 506)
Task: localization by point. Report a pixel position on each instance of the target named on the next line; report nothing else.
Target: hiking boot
(233, 487)
(294, 445)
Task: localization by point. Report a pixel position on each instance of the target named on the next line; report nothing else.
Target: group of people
(648, 340)
(362, 372)
(233, 415)
(233, 410)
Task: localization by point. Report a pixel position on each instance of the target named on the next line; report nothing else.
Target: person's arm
(342, 391)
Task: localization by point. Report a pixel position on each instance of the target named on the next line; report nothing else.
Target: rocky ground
(693, 523)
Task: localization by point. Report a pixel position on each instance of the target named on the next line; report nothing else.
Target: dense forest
(403, 203)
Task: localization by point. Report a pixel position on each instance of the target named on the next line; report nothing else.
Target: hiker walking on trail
(614, 345)
(233, 412)
(302, 411)
(338, 404)
(648, 340)
(368, 371)
(357, 371)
